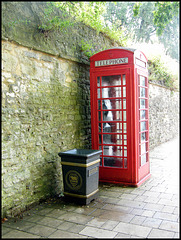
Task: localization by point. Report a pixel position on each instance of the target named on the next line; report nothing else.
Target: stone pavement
(149, 211)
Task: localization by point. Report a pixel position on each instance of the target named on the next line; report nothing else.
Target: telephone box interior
(119, 115)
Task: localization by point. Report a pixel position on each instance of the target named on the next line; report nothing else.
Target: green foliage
(141, 21)
(87, 12)
(136, 9)
(87, 48)
(90, 13)
(116, 35)
(158, 73)
(164, 13)
(170, 38)
(53, 22)
(90, 49)
(125, 16)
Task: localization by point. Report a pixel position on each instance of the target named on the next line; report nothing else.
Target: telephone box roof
(133, 50)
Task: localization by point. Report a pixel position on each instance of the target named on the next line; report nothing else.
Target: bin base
(81, 199)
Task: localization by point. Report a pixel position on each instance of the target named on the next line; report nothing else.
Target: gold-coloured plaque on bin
(73, 180)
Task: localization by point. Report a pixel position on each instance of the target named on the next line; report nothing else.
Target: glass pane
(98, 93)
(100, 161)
(124, 126)
(107, 127)
(143, 148)
(105, 92)
(100, 139)
(142, 126)
(142, 92)
(110, 104)
(98, 81)
(99, 115)
(124, 115)
(112, 127)
(125, 162)
(112, 150)
(143, 137)
(113, 162)
(142, 114)
(142, 81)
(142, 103)
(124, 91)
(112, 92)
(124, 104)
(125, 152)
(99, 104)
(116, 104)
(100, 126)
(107, 116)
(112, 139)
(106, 104)
(124, 79)
(111, 80)
(125, 139)
(112, 116)
(115, 92)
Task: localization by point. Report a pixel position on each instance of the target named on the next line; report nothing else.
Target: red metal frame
(119, 115)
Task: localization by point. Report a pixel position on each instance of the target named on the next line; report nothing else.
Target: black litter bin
(80, 169)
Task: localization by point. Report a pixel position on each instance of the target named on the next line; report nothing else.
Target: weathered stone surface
(65, 43)
(163, 114)
(40, 117)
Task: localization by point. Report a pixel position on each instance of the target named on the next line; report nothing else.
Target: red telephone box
(119, 115)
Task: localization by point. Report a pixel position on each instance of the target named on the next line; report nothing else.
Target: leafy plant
(164, 14)
(90, 49)
(158, 73)
(90, 13)
(53, 22)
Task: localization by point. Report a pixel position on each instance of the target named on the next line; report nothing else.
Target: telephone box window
(142, 81)
(111, 80)
(142, 114)
(142, 103)
(142, 92)
(143, 137)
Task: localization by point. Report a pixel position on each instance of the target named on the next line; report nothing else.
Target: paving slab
(133, 229)
(19, 234)
(149, 211)
(98, 233)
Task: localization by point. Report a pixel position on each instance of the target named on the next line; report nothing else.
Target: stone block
(31, 54)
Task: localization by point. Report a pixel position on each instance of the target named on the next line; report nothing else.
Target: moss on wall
(45, 101)
(20, 23)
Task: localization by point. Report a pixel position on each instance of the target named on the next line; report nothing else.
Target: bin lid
(80, 152)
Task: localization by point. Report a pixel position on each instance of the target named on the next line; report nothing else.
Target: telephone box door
(112, 133)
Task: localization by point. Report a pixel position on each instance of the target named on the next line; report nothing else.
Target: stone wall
(46, 104)
(45, 101)
(163, 114)
(45, 110)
